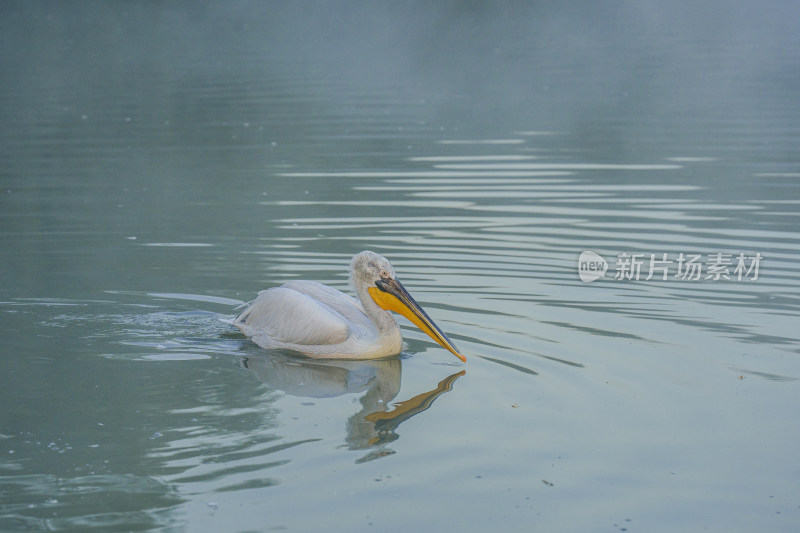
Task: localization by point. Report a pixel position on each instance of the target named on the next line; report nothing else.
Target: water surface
(163, 164)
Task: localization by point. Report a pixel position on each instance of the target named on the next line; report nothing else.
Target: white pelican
(319, 321)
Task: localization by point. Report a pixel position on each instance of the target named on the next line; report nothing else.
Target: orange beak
(390, 295)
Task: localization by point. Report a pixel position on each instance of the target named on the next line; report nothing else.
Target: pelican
(319, 321)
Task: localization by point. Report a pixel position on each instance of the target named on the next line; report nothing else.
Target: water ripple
(505, 227)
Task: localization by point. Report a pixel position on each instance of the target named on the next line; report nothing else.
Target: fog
(524, 63)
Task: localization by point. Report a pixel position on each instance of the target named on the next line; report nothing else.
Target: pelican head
(374, 273)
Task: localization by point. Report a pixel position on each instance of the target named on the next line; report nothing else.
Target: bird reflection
(373, 427)
(387, 422)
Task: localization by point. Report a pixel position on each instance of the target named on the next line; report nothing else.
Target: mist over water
(162, 163)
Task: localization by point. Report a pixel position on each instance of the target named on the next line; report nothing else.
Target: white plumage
(320, 321)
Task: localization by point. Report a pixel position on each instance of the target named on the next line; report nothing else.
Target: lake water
(162, 163)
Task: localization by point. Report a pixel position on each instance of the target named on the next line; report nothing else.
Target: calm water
(162, 164)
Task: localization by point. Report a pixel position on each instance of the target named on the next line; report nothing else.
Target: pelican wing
(289, 316)
(347, 306)
(301, 312)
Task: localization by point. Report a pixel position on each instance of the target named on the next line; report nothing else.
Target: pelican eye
(385, 275)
